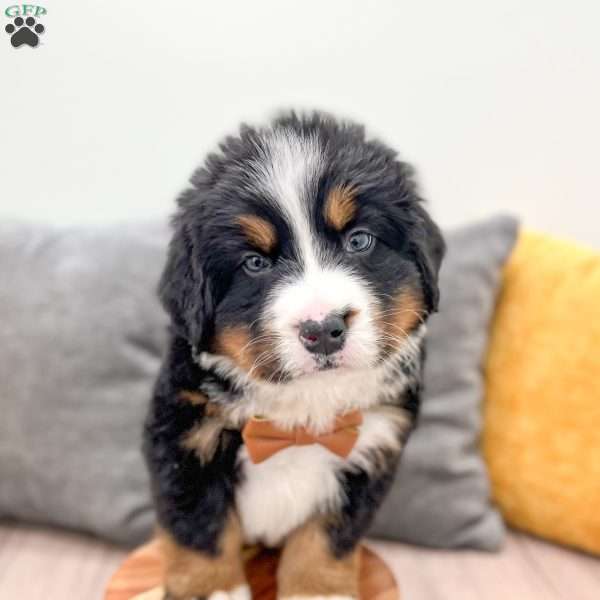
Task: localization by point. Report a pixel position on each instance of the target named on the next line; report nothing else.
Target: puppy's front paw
(241, 592)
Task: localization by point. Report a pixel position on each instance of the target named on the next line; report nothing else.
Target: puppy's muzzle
(325, 337)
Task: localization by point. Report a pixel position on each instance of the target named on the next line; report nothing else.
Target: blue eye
(255, 263)
(359, 241)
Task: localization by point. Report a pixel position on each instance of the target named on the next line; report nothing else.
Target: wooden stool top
(141, 575)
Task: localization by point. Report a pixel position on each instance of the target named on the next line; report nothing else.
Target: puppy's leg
(192, 573)
(192, 463)
(321, 558)
(310, 569)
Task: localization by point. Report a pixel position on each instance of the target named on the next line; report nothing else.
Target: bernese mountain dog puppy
(301, 272)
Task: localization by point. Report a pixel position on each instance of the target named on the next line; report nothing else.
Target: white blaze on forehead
(286, 172)
(289, 172)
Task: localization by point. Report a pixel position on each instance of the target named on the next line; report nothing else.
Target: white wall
(497, 103)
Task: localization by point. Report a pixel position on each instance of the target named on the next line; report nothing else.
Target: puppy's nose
(325, 337)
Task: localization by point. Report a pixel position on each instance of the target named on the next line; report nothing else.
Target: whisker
(262, 359)
(393, 313)
(257, 340)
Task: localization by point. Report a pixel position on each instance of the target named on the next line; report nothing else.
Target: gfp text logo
(24, 29)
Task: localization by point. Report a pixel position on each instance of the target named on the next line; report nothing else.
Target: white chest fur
(281, 493)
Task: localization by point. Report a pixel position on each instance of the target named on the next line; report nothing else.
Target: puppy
(300, 275)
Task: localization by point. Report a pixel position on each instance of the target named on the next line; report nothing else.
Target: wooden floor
(526, 569)
(42, 564)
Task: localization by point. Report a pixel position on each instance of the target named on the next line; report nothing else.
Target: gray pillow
(81, 335)
(441, 495)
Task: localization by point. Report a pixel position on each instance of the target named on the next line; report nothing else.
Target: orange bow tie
(263, 438)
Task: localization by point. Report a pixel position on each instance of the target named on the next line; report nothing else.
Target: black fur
(364, 492)
(204, 289)
(192, 499)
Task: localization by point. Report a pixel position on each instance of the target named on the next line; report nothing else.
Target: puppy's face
(300, 248)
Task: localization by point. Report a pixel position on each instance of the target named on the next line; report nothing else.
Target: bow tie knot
(263, 438)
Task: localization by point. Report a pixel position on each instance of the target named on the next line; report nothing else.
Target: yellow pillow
(541, 435)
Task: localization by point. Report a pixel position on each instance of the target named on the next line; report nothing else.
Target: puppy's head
(301, 247)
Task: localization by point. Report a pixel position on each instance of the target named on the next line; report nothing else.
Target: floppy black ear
(428, 248)
(184, 289)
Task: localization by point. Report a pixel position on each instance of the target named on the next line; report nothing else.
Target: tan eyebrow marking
(340, 207)
(260, 233)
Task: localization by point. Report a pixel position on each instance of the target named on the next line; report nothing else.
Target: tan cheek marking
(234, 342)
(258, 232)
(398, 320)
(340, 207)
(256, 357)
(191, 573)
(308, 567)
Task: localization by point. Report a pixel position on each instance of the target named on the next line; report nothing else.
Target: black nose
(325, 337)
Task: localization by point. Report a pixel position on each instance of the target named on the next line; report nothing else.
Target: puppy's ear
(428, 248)
(184, 289)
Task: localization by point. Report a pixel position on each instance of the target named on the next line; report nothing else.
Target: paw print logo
(24, 32)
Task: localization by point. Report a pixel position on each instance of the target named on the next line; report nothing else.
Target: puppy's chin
(320, 364)
(312, 365)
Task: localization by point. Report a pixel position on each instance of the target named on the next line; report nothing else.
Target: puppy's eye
(256, 263)
(359, 241)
